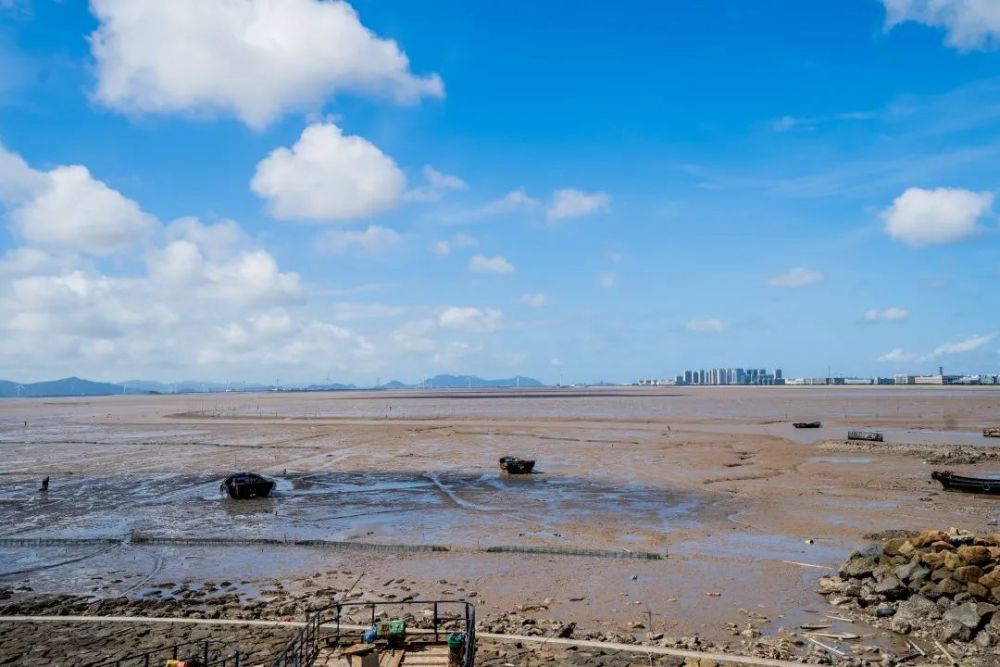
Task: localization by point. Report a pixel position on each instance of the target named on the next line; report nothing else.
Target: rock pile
(937, 584)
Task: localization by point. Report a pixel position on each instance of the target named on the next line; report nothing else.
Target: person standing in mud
(45, 485)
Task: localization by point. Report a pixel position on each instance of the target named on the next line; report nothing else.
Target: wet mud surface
(748, 510)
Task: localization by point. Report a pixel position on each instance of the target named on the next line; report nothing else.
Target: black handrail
(184, 649)
(303, 648)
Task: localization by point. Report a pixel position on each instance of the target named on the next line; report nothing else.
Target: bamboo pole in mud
(723, 658)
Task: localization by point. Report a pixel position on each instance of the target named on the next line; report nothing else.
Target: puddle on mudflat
(767, 547)
(847, 460)
(459, 509)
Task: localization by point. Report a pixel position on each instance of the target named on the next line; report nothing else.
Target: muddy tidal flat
(653, 512)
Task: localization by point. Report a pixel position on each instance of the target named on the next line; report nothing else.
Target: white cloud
(372, 240)
(607, 280)
(437, 184)
(891, 314)
(970, 344)
(571, 203)
(475, 320)
(921, 217)
(67, 208)
(796, 277)
(897, 356)
(216, 262)
(512, 202)
(328, 176)
(706, 325)
(24, 260)
(256, 59)
(534, 300)
(970, 24)
(444, 247)
(497, 264)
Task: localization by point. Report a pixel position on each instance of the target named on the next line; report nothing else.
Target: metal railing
(302, 650)
(202, 650)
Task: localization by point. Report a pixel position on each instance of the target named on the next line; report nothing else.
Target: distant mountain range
(74, 386)
(467, 381)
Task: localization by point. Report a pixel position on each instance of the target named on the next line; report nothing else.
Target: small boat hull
(807, 424)
(953, 482)
(992, 432)
(869, 436)
(247, 485)
(515, 466)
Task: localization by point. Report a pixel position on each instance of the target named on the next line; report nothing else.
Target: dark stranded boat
(246, 485)
(953, 482)
(515, 466)
(807, 424)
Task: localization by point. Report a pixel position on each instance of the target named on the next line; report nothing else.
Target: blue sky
(568, 190)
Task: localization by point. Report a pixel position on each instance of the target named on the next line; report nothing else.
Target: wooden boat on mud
(807, 424)
(515, 466)
(993, 432)
(953, 482)
(869, 436)
(246, 485)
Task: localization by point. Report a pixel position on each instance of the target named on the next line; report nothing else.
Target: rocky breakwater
(940, 585)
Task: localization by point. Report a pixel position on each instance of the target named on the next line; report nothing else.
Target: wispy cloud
(572, 203)
(797, 277)
(970, 344)
(534, 300)
(706, 325)
(607, 280)
(788, 123)
(964, 346)
(497, 264)
(891, 314)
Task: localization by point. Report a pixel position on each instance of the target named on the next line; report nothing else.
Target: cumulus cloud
(706, 325)
(796, 277)
(921, 217)
(891, 314)
(328, 176)
(372, 240)
(969, 24)
(210, 262)
(571, 203)
(607, 280)
(436, 185)
(497, 264)
(473, 320)
(534, 300)
(67, 208)
(255, 59)
(24, 260)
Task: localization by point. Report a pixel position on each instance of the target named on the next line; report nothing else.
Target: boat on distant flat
(992, 432)
(953, 482)
(246, 485)
(515, 466)
(870, 436)
(807, 424)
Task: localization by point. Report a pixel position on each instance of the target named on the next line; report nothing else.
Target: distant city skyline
(390, 189)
